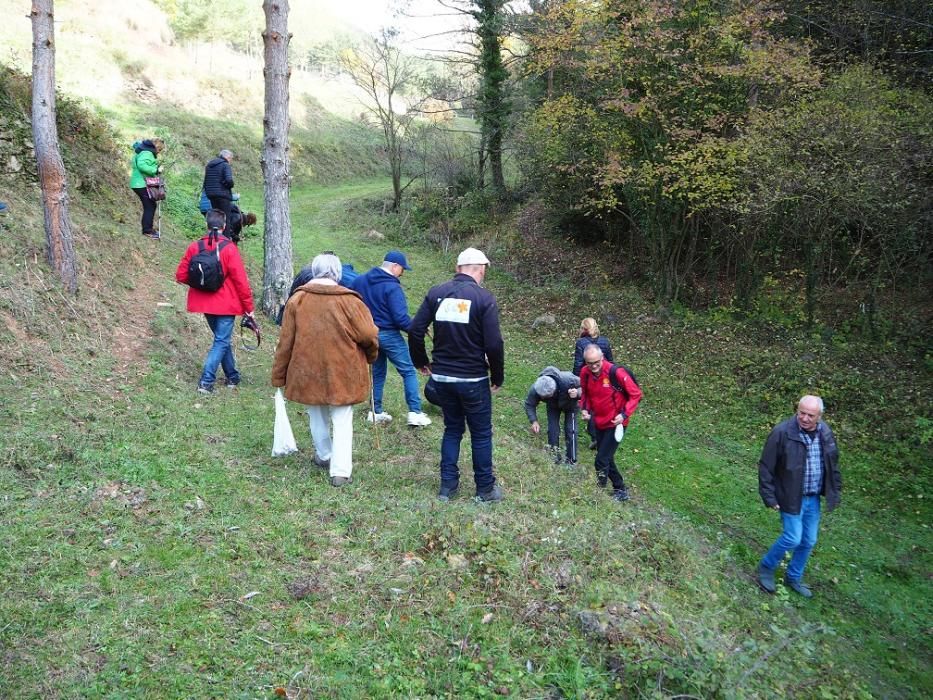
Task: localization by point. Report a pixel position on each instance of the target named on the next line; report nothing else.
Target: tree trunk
(494, 104)
(495, 159)
(52, 181)
(277, 237)
(481, 165)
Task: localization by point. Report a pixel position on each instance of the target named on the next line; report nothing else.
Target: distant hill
(111, 52)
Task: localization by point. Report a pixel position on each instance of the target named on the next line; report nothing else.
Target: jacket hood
(213, 163)
(551, 371)
(378, 277)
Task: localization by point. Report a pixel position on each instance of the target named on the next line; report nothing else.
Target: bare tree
(277, 238)
(384, 74)
(52, 180)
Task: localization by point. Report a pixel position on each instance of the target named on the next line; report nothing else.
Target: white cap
(472, 256)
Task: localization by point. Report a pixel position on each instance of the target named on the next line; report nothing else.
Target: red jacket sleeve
(181, 274)
(233, 268)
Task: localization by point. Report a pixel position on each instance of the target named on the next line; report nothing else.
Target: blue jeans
(221, 352)
(799, 535)
(466, 403)
(392, 347)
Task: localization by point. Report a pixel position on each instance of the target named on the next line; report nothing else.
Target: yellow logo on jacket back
(454, 310)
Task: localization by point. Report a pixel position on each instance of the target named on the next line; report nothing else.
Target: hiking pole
(372, 407)
(573, 437)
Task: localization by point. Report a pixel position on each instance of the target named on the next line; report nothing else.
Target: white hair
(807, 397)
(226, 154)
(326, 265)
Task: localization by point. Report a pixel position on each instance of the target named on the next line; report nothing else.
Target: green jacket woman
(145, 164)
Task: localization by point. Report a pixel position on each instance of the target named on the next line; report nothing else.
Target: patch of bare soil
(544, 258)
(128, 340)
(129, 496)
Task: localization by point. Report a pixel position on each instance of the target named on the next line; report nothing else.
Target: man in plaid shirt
(799, 464)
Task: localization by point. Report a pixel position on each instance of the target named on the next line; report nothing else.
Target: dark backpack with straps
(204, 269)
(614, 379)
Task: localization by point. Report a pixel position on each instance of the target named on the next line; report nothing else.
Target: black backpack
(614, 380)
(204, 269)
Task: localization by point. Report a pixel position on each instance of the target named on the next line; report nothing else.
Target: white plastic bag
(620, 432)
(283, 440)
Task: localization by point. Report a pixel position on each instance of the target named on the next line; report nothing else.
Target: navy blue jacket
(218, 179)
(382, 293)
(782, 463)
(582, 344)
(467, 340)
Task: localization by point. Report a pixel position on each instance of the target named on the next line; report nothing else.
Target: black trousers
(606, 447)
(222, 203)
(570, 430)
(149, 208)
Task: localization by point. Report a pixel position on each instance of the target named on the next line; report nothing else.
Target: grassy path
(159, 551)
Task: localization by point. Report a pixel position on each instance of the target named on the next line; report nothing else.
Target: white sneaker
(379, 417)
(418, 419)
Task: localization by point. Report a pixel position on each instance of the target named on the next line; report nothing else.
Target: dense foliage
(716, 148)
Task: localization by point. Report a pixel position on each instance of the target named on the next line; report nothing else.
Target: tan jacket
(328, 338)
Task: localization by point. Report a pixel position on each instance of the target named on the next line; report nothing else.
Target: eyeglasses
(597, 363)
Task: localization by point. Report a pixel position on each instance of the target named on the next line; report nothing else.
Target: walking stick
(159, 217)
(372, 407)
(573, 436)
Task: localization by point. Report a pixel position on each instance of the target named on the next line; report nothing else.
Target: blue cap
(397, 257)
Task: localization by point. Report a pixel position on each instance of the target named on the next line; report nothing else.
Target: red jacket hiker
(601, 398)
(235, 297)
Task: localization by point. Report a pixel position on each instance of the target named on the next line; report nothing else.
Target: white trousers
(339, 448)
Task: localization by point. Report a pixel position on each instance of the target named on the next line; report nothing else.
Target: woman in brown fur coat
(328, 338)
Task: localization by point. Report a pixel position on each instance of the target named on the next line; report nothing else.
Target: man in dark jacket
(800, 463)
(218, 182)
(467, 364)
(560, 392)
(382, 292)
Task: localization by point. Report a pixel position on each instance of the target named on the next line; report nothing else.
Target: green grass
(151, 547)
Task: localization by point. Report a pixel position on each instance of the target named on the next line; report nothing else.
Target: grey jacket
(565, 381)
(780, 469)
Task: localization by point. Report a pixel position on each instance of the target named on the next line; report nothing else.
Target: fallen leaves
(129, 496)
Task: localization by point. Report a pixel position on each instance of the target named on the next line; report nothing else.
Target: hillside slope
(113, 52)
(152, 547)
